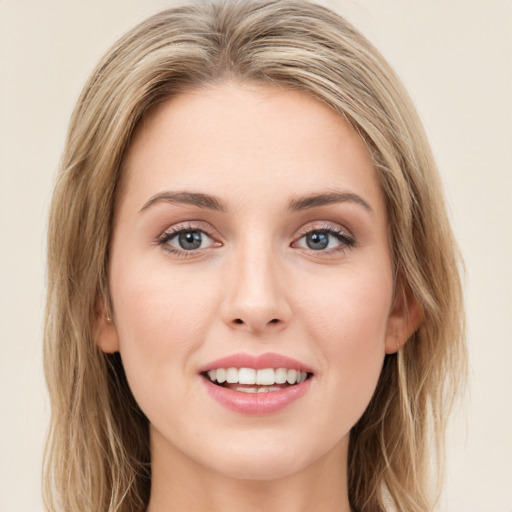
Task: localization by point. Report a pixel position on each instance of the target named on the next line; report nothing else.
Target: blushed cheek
(157, 329)
(159, 318)
(353, 320)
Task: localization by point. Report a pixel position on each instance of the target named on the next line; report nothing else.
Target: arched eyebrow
(192, 198)
(213, 203)
(315, 200)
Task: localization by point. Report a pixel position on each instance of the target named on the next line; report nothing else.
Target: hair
(97, 456)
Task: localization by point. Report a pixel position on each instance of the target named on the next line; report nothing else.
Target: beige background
(455, 57)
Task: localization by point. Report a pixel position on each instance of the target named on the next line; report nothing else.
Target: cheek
(161, 319)
(158, 302)
(348, 320)
(349, 308)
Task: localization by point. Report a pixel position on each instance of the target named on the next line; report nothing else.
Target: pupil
(317, 240)
(190, 240)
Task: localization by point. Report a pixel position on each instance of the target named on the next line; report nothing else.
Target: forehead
(243, 138)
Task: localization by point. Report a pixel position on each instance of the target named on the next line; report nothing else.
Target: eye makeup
(324, 238)
(319, 238)
(185, 240)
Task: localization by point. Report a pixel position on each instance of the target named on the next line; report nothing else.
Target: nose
(255, 299)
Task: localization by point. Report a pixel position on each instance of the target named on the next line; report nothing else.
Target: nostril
(255, 323)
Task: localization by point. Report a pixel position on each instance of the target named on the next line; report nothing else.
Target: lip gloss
(256, 403)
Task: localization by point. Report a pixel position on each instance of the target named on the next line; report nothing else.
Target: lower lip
(256, 403)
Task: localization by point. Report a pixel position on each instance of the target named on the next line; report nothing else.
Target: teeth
(281, 374)
(247, 376)
(231, 375)
(264, 377)
(257, 389)
(221, 375)
(247, 390)
(291, 378)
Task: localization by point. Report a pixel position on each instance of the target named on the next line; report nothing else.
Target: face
(250, 232)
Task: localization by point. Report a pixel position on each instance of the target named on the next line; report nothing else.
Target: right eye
(186, 240)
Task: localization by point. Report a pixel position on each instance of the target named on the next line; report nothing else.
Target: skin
(253, 286)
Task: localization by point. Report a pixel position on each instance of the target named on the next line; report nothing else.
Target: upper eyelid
(344, 236)
(178, 227)
(170, 233)
(324, 226)
(213, 233)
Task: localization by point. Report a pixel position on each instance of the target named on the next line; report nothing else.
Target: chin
(268, 459)
(260, 468)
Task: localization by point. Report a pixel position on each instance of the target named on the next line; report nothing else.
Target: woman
(254, 301)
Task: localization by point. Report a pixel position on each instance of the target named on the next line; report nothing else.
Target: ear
(106, 338)
(404, 320)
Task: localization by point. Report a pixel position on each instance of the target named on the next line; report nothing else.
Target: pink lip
(266, 360)
(256, 403)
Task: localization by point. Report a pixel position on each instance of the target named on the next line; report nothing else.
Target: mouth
(256, 384)
(252, 380)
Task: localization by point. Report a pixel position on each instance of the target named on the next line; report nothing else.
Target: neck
(179, 484)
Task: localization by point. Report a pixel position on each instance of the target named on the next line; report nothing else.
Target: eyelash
(346, 240)
(173, 232)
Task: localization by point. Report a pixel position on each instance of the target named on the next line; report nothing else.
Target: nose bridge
(256, 299)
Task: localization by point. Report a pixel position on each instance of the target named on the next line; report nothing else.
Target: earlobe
(107, 338)
(404, 320)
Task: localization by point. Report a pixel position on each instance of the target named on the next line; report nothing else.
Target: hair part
(97, 456)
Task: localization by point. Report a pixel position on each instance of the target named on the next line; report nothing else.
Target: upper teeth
(265, 377)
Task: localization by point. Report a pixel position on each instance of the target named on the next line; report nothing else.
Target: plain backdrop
(455, 57)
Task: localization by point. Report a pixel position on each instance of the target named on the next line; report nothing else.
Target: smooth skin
(250, 219)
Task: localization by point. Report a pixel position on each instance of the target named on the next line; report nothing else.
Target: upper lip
(259, 362)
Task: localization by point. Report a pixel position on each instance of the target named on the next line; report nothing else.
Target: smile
(256, 384)
(251, 380)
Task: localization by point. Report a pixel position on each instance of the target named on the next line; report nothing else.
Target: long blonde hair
(97, 456)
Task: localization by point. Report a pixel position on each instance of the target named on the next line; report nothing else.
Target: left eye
(321, 240)
(188, 240)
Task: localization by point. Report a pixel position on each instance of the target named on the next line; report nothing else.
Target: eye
(186, 240)
(325, 240)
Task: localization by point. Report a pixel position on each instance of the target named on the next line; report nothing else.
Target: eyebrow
(192, 198)
(213, 203)
(316, 200)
